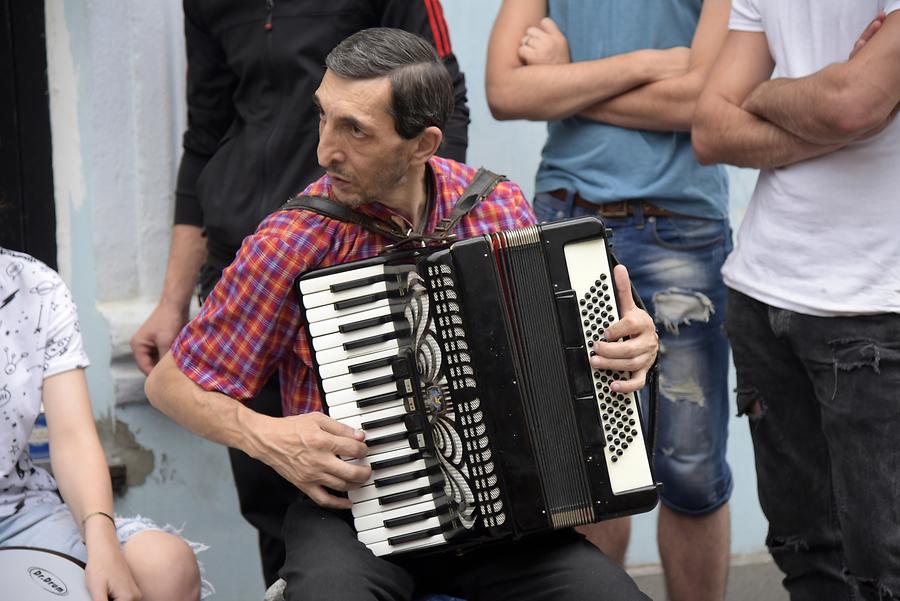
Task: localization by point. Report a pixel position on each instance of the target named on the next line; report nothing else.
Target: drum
(31, 574)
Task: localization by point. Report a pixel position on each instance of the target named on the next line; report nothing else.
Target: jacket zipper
(265, 192)
(270, 4)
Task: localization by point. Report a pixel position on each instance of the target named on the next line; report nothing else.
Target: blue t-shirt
(606, 163)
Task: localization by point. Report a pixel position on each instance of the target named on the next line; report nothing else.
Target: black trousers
(326, 562)
(263, 494)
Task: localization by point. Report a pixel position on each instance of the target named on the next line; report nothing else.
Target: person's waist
(614, 209)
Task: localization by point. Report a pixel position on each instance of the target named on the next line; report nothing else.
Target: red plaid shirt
(251, 325)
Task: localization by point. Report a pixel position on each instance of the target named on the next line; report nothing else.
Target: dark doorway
(26, 176)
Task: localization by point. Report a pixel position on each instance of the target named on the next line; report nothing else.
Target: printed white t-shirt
(821, 237)
(39, 338)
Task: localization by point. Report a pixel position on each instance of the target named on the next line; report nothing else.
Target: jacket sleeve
(210, 87)
(426, 18)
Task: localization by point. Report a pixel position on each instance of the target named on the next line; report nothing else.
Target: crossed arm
(645, 89)
(519, 88)
(745, 119)
(668, 104)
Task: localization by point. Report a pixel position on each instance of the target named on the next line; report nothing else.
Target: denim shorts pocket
(685, 233)
(549, 208)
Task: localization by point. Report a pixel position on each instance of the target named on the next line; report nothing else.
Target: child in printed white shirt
(43, 360)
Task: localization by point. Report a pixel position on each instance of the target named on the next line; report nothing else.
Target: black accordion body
(468, 368)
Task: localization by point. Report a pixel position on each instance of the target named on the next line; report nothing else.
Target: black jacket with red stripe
(253, 66)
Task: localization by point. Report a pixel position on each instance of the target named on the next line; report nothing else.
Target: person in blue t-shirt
(617, 83)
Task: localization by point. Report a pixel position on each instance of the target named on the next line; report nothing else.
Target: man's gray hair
(421, 90)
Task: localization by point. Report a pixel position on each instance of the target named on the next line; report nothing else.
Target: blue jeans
(823, 399)
(674, 263)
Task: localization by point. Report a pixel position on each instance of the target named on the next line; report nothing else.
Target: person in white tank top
(815, 279)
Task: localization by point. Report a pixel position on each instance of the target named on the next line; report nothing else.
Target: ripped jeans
(823, 399)
(675, 263)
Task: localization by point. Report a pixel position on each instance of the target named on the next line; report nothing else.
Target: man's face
(358, 145)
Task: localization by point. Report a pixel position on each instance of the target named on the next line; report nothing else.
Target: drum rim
(77, 562)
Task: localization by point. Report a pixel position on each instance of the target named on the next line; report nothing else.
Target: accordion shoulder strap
(478, 189)
(482, 185)
(335, 210)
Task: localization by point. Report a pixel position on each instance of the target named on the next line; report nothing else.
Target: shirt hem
(59, 367)
(773, 300)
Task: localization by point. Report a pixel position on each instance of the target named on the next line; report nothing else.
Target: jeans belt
(620, 208)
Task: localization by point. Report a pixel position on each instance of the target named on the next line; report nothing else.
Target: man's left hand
(634, 340)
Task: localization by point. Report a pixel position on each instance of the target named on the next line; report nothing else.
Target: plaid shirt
(251, 326)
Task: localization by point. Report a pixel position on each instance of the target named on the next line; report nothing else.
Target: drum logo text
(48, 581)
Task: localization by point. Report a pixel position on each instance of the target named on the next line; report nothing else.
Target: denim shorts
(675, 263)
(50, 525)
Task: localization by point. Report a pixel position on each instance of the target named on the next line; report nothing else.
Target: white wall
(116, 71)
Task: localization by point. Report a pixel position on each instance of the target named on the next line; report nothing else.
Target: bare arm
(725, 132)
(516, 90)
(842, 102)
(668, 105)
(187, 253)
(302, 448)
(83, 478)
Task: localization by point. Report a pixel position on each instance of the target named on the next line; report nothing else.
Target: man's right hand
(864, 39)
(544, 44)
(307, 450)
(156, 335)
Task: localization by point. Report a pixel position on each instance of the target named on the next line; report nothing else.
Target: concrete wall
(116, 70)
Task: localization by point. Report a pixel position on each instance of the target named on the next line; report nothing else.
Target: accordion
(468, 368)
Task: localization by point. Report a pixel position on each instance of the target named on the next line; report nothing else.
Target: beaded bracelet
(92, 514)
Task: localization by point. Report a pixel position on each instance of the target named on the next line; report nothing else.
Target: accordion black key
(468, 368)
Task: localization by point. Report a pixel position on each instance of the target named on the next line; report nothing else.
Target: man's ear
(427, 144)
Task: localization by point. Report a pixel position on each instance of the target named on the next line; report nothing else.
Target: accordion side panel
(611, 428)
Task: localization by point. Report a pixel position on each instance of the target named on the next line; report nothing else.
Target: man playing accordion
(383, 102)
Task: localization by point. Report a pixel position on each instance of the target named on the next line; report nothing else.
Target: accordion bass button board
(468, 368)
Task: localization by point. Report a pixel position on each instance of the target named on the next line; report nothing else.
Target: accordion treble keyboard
(358, 330)
(482, 415)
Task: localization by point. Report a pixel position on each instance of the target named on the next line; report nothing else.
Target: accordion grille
(478, 463)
